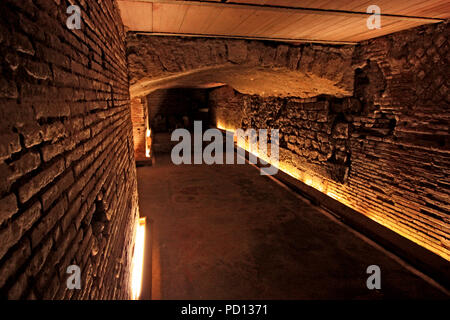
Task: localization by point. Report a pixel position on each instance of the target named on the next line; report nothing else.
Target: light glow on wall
(138, 259)
(286, 168)
(148, 142)
(222, 126)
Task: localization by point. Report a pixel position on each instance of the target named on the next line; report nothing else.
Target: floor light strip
(138, 260)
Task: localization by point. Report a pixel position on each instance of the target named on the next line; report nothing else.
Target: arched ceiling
(247, 80)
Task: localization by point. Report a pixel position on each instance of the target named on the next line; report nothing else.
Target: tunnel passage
(352, 121)
(251, 67)
(365, 124)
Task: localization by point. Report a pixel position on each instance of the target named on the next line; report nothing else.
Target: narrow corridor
(354, 99)
(225, 232)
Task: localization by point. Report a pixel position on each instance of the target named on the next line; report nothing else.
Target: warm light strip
(247, 148)
(138, 260)
(147, 143)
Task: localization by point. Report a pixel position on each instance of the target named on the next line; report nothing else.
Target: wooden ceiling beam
(198, 35)
(291, 9)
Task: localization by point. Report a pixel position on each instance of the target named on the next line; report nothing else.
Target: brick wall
(385, 150)
(68, 183)
(139, 118)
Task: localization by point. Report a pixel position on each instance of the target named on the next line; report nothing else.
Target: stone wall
(155, 57)
(384, 151)
(68, 191)
(246, 64)
(314, 132)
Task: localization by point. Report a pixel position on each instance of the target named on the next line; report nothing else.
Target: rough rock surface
(252, 67)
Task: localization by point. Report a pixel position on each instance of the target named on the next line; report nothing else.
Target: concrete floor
(225, 232)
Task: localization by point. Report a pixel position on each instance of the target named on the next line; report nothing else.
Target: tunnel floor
(226, 232)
